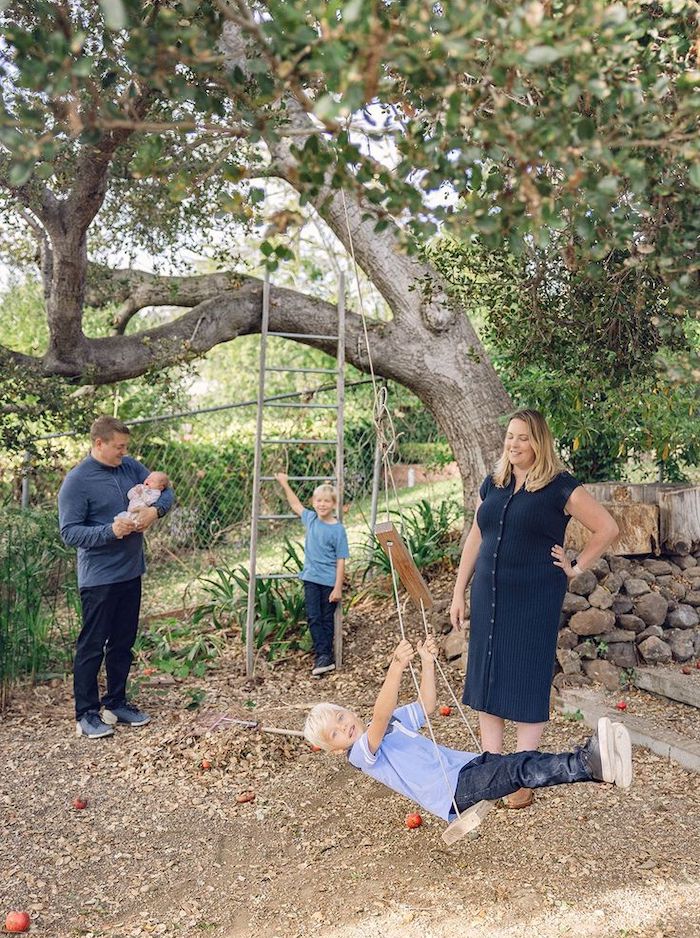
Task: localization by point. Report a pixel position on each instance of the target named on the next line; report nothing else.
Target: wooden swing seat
(468, 821)
(405, 565)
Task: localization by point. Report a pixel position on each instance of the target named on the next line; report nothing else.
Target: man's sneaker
(324, 663)
(609, 754)
(125, 713)
(90, 725)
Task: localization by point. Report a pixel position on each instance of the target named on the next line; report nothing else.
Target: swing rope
(394, 581)
(387, 441)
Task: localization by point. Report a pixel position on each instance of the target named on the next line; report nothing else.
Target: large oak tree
(532, 118)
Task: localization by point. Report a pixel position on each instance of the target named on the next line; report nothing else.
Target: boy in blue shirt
(325, 553)
(392, 750)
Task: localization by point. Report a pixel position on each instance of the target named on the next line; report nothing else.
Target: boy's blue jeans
(490, 776)
(320, 613)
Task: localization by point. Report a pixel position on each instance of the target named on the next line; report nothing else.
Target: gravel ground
(163, 848)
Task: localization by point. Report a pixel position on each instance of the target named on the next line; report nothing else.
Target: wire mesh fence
(208, 455)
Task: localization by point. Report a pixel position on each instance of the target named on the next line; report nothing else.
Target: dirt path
(163, 848)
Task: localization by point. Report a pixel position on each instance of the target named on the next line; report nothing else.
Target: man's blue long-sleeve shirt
(91, 496)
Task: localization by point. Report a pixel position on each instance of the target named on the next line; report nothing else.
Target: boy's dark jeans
(110, 621)
(320, 612)
(491, 776)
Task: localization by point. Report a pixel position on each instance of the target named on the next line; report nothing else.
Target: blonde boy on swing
(392, 750)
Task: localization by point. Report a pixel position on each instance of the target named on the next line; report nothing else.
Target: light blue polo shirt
(407, 762)
(324, 545)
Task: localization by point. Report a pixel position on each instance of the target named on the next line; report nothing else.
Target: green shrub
(39, 604)
(179, 648)
(280, 614)
(429, 532)
(431, 455)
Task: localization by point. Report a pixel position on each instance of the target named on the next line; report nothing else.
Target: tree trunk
(435, 351)
(64, 290)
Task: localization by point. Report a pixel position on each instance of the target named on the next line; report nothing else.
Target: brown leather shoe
(522, 798)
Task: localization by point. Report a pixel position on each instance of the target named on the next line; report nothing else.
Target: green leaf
(114, 13)
(20, 173)
(608, 185)
(44, 170)
(542, 55)
(694, 175)
(351, 12)
(585, 129)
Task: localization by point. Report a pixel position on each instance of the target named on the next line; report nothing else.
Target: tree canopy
(146, 124)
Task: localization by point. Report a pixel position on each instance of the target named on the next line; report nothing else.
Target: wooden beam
(404, 564)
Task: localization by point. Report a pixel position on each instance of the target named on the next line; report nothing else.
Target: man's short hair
(105, 427)
(317, 724)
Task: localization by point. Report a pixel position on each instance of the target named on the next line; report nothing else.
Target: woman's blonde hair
(547, 464)
(317, 723)
(325, 488)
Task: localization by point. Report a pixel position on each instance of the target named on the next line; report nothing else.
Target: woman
(514, 549)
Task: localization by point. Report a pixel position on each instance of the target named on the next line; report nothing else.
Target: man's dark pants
(320, 613)
(110, 621)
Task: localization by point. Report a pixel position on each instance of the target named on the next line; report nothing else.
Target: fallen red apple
(315, 748)
(149, 671)
(413, 821)
(686, 670)
(80, 803)
(17, 922)
(445, 711)
(697, 665)
(245, 796)
(205, 764)
(621, 705)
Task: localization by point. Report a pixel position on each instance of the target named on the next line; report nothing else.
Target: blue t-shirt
(324, 545)
(91, 496)
(407, 762)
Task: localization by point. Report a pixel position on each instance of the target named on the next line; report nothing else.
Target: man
(110, 566)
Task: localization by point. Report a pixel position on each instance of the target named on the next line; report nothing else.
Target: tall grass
(39, 603)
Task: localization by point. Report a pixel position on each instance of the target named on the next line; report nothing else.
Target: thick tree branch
(137, 289)
(222, 317)
(27, 363)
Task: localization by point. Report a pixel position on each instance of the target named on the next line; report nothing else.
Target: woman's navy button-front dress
(516, 599)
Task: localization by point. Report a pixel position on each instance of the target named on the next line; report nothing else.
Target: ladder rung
(316, 406)
(309, 371)
(276, 517)
(300, 478)
(276, 576)
(302, 335)
(318, 442)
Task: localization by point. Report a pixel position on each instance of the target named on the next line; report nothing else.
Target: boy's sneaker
(90, 725)
(609, 754)
(125, 713)
(324, 663)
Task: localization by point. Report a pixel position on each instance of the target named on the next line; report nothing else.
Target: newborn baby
(144, 494)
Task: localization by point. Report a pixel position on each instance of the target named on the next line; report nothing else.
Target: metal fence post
(26, 469)
(376, 479)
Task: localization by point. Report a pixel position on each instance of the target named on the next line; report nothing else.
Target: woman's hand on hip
(562, 561)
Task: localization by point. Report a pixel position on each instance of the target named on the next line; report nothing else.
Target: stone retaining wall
(625, 612)
(622, 613)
